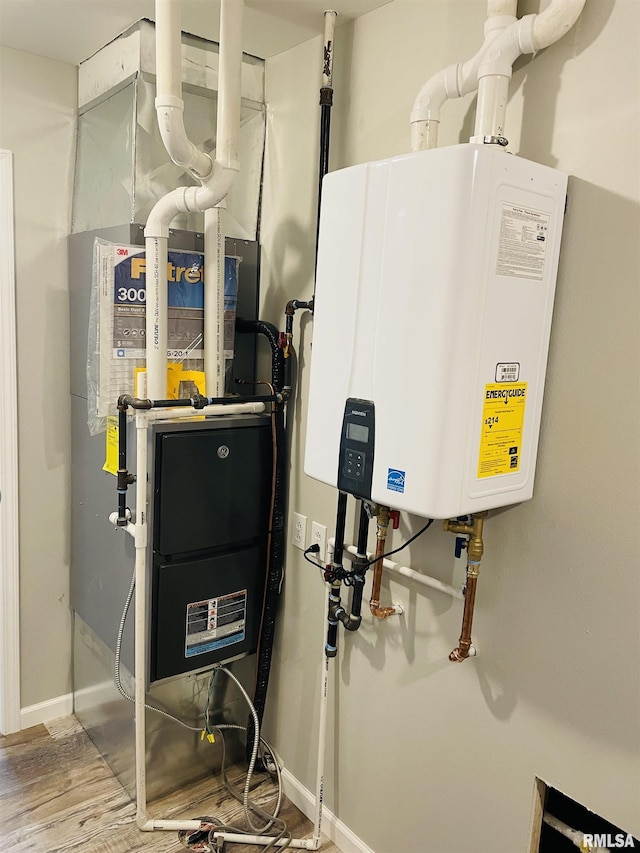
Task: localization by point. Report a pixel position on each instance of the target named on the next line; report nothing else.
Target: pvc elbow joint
(189, 200)
(434, 93)
(212, 192)
(164, 212)
(170, 111)
(556, 20)
(499, 54)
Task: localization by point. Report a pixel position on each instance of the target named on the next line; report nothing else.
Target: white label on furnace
(522, 244)
(215, 622)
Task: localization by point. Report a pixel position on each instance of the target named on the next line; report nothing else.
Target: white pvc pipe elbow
(456, 80)
(505, 40)
(556, 20)
(170, 114)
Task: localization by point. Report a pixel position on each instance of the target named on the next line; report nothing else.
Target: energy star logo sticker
(395, 479)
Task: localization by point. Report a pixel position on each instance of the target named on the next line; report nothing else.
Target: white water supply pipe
(213, 189)
(221, 409)
(490, 69)
(404, 571)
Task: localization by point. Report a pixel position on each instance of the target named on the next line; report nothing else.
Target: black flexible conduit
(272, 334)
(277, 551)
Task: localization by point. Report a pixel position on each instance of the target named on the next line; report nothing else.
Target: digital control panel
(355, 464)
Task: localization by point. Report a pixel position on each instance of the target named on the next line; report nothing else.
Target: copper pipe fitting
(381, 538)
(475, 548)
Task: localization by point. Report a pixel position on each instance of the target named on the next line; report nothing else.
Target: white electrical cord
(248, 805)
(283, 836)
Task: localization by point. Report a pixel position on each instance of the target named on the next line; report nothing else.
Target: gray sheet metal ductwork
(122, 167)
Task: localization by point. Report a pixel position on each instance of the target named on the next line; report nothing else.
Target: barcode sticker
(508, 372)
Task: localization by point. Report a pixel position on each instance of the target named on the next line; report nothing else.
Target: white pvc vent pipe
(489, 71)
(169, 104)
(216, 178)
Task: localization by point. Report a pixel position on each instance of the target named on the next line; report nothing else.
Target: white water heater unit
(435, 284)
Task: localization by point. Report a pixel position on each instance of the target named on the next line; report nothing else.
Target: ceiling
(72, 30)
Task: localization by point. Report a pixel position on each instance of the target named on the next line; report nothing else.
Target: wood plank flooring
(57, 795)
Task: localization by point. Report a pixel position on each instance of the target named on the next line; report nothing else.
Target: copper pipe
(461, 652)
(381, 538)
(475, 547)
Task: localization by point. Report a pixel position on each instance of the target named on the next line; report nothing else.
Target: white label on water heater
(508, 372)
(215, 622)
(522, 244)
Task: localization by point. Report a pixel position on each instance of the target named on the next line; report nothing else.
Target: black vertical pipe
(341, 518)
(358, 578)
(122, 475)
(331, 646)
(363, 530)
(326, 102)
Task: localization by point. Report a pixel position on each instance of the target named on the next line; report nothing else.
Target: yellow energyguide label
(502, 422)
(111, 461)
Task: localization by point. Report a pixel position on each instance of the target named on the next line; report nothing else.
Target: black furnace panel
(206, 610)
(212, 499)
(212, 487)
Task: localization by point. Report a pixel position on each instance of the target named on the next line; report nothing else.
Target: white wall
(427, 756)
(38, 98)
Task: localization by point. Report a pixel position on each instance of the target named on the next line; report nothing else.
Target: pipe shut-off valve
(474, 545)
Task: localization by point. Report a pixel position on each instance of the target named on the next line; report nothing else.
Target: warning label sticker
(522, 244)
(502, 422)
(215, 622)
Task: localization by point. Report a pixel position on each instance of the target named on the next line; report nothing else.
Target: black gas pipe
(326, 102)
(331, 646)
(360, 564)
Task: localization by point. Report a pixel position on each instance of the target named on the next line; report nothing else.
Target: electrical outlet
(319, 537)
(299, 534)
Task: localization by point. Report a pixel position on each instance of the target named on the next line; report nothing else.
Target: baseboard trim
(44, 712)
(332, 827)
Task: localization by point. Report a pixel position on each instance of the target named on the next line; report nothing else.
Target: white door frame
(9, 545)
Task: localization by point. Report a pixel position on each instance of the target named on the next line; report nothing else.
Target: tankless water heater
(435, 283)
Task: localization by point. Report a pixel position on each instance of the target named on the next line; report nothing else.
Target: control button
(354, 464)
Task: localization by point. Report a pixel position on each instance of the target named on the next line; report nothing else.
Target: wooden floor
(57, 795)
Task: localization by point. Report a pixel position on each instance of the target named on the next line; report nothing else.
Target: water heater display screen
(358, 432)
